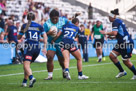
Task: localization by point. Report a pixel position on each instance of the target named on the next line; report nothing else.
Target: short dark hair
(75, 20)
(54, 13)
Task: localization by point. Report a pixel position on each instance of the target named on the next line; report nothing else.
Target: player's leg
(113, 56)
(35, 53)
(76, 53)
(60, 57)
(126, 55)
(61, 62)
(129, 64)
(50, 55)
(28, 71)
(24, 83)
(66, 56)
(28, 58)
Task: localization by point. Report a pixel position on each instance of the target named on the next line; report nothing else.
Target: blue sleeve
(115, 26)
(45, 27)
(42, 30)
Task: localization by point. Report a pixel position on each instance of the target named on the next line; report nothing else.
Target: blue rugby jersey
(123, 35)
(33, 33)
(70, 31)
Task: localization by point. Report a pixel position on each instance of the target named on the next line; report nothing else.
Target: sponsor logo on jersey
(33, 28)
(71, 29)
(72, 49)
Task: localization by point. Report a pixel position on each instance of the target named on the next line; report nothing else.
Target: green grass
(102, 77)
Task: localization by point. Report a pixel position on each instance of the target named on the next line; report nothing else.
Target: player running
(69, 32)
(32, 31)
(124, 45)
(53, 49)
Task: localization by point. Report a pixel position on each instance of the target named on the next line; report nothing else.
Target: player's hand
(52, 32)
(44, 51)
(103, 32)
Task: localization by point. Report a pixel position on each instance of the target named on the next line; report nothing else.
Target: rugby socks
(30, 77)
(100, 57)
(25, 80)
(67, 69)
(133, 69)
(80, 73)
(102, 54)
(118, 65)
(50, 74)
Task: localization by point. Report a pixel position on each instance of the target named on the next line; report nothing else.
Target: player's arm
(114, 31)
(50, 32)
(111, 37)
(46, 29)
(57, 36)
(45, 43)
(23, 30)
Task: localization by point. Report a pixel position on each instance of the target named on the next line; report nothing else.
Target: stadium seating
(13, 7)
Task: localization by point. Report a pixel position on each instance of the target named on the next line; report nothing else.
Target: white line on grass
(55, 69)
(86, 82)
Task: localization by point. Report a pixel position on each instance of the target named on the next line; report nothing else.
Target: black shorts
(125, 51)
(30, 54)
(68, 44)
(98, 42)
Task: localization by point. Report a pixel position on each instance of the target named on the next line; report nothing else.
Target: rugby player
(69, 32)
(32, 50)
(124, 44)
(53, 49)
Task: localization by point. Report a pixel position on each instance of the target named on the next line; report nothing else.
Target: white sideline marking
(55, 69)
(91, 82)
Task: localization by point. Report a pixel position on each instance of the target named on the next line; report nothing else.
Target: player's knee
(79, 59)
(50, 58)
(112, 56)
